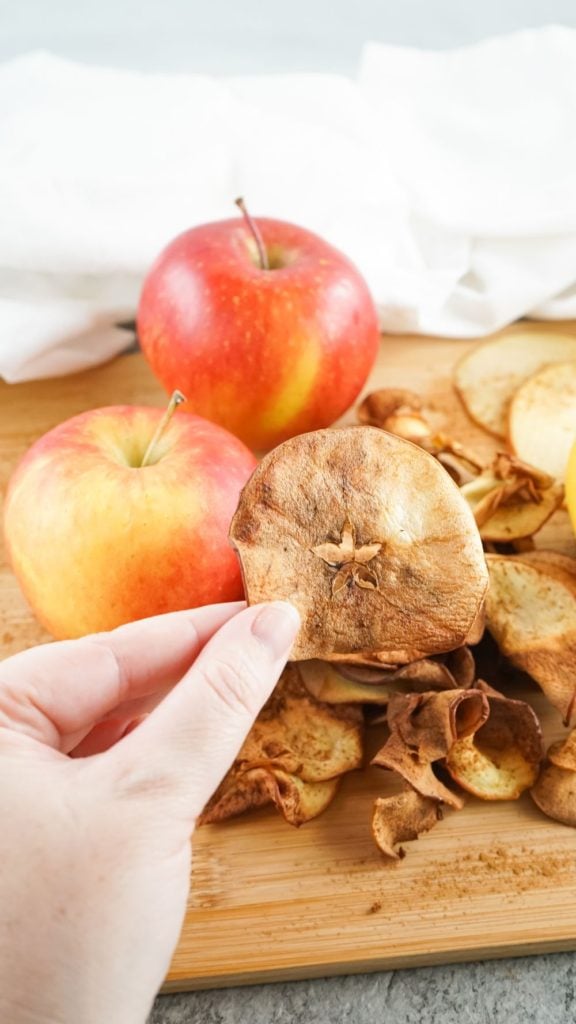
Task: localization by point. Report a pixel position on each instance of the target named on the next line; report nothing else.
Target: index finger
(62, 689)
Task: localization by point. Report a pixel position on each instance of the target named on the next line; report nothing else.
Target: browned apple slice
(488, 375)
(423, 729)
(401, 818)
(297, 800)
(293, 756)
(502, 758)
(532, 616)
(542, 419)
(325, 683)
(344, 684)
(555, 790)
(369, 538)
(550, 561)
(511, 500)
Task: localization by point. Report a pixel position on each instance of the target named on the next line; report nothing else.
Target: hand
(96, 812)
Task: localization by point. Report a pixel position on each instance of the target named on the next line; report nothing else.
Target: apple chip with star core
(369, 538)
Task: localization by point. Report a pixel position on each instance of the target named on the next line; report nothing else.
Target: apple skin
(97, 540)
(266, 353)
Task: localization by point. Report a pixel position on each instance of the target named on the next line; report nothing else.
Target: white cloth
(449, 178)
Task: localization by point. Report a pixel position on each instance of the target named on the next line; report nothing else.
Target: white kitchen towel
(449, 178)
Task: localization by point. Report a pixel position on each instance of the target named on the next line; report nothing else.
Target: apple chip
(327, 684)
(298, 801)
(400, 412)
(296, 747)
(542, 419)
(423, 730)
(397, 411)
(552, 562)
(361, 684)
(439, 672)
(237, 793)
(555, 790)
(401, 818)
(299, 734)
(487, 376)
(477, 629)
(371, 541)
(462, 667)
(511, 500)
(532, 616)
(502, 758)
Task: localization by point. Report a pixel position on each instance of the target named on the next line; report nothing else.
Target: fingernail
(276, 627)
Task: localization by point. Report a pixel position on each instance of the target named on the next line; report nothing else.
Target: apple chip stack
(402, 549)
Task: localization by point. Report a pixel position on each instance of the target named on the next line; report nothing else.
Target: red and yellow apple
(97, 539)
(268, 329)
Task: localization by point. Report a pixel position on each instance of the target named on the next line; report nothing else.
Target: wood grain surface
(269, 902)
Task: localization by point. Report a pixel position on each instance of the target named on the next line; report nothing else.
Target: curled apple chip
(542, 418)
(555, 791)
(462, 667)
(532, 616)
(302, 735)
(327, 684)
(371, 541)
(360, 684)
(552, 562)
(297, 800)
(237, 793)
(511, 500)
(423, 729)
(400, 412)
(401, 818)
(502, 758)
(487, 376)
(477, 629)
(297, 745)
(439, 672)
(395, 410)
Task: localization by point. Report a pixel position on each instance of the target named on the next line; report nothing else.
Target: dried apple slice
(401, 818)
(397, 411)
(301, 735)
(364, 685)
(551, 562)
(511, 500)
(297, 800)
(237, 793)
(369, 538)
(555, 790)
(487, 376)
(532, 616)
(502, 758)
(423, 674)
(400, 412)
(462, 667)
(423, 729)
(326, 684)
(293, 756)
(477, 629)
(542, 418)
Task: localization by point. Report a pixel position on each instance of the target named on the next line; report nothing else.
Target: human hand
(96, 815)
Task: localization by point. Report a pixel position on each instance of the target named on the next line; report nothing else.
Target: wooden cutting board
(269, 902)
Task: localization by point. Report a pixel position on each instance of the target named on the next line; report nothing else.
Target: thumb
(185, 747)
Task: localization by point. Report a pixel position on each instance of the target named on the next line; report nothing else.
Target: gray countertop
(534, 990)
(247, 36)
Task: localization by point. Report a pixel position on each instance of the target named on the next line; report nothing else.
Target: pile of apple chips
(423, 600)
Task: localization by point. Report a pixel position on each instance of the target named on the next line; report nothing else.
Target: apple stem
(176, 400)
(255, 231)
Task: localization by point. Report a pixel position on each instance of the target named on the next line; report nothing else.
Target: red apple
(268, 352)
(97, 539)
